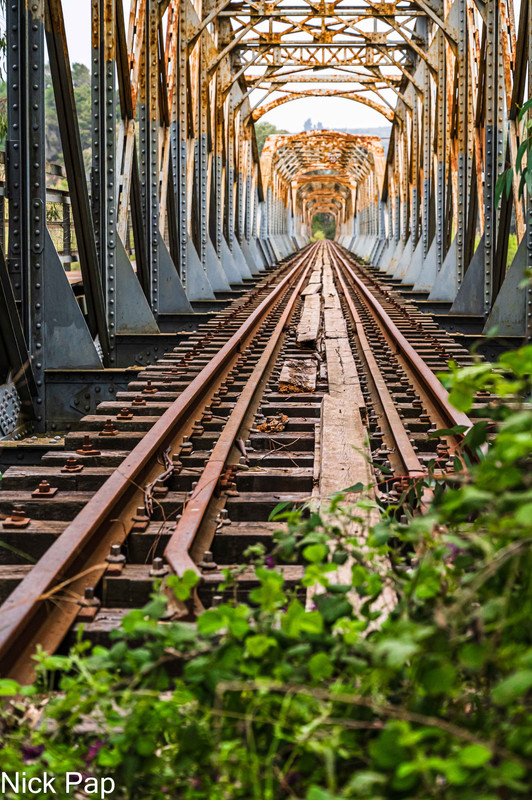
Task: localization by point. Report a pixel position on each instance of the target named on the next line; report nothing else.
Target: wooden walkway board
(298, 375)
(308, 329)
(343, 446)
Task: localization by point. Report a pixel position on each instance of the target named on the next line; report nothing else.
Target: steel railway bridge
(180, 213)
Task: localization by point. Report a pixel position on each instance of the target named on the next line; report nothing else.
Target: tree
(323, 226)
(307, 125)
(81, 80)
(263, 130)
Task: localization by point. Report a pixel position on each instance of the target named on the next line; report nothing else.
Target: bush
(353, 698)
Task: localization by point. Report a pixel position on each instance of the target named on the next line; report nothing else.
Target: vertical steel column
(397, 180)
(493, 146)
(255, 205)
(230, 170)
(414, 211)
(202, 146)
(149, 148)
(182, 136)
(427, 159)
(26, 174)
(240, 181)
(248, 222)
(405, 222)
(462, 156)
(440, 150)
(104, 151)
(218, 167)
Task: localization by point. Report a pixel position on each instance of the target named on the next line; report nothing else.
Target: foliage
(81, 80)
(323, 226)
(523, 169)
(352, 698)
(263, 130)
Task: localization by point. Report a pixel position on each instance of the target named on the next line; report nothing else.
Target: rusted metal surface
(132, 468)
(182, 541)
(406, 461)
(27, 617)
(432, 386)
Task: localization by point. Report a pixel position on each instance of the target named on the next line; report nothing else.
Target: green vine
(408, 678)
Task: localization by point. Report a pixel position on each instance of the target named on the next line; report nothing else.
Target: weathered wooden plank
(298, 376)
(312, 288)
(342, 449)
(342, 372)
(308, 328)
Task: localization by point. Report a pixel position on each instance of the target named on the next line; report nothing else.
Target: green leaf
(211, 621)
(357, 487)
(474, 755)
(439, 680)
(428, 586)
(279, 508)
(296, 620)
(146, 746)
(315, 553)
(396, 651)
(332, 608)
(269, 595)
(523, 515)
(8, 687)
(386, 748)
(476, 436)
(520, 153)
(225, 617)
(317, 793)
(461, 399)
(257, 645)
(448, 431)
(513, 687)
(502, 183)
(524, 109)
(473, 656)
(183, 585)
(320, 666)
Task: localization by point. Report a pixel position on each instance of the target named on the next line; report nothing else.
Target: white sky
(332, 112)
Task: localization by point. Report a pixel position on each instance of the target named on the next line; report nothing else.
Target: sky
(332, 112)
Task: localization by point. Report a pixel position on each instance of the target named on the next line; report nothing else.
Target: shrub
(352, 698)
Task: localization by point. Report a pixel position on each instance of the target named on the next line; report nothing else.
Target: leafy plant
(410, 678)
(523, 169)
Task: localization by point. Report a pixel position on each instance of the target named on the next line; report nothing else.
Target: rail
(430, 384)
(28, 618)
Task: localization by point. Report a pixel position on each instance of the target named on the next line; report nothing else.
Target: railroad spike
(158, 568)
(207, 564)
(72, 465)
(87, 448)
(44, 490)
(109, 429)
(18, 519)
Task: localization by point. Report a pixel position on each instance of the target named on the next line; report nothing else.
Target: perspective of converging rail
(181, 354)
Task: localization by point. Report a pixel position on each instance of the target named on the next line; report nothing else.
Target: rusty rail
(432, 389)
(28, 616)
(409, 463)
(183, 539)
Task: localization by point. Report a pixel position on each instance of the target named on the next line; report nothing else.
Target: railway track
(183, 470)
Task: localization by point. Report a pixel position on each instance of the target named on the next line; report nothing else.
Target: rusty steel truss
(179, 209)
